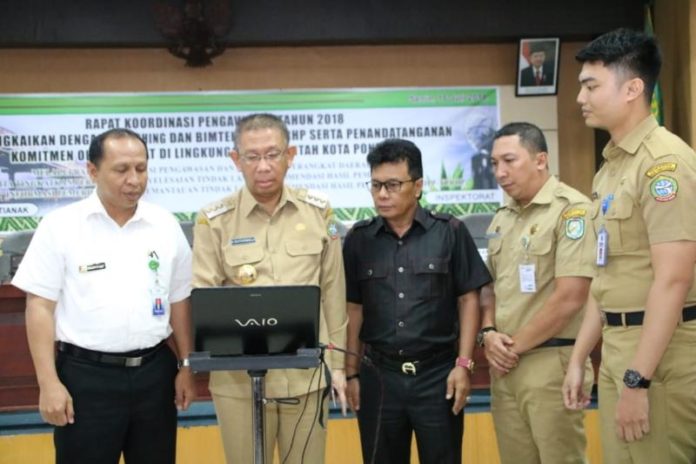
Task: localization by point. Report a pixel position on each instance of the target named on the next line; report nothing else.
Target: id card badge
(159, 300)
(602, 246)
(527, 278)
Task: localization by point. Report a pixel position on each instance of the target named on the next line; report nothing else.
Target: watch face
(481, 336)
(632, 378)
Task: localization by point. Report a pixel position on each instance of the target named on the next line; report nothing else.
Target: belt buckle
(134, 362)
(408, 368)
(603, 316)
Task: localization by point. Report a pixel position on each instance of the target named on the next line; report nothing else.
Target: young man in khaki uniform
(540, 254)
(643, 298)
(270, 234)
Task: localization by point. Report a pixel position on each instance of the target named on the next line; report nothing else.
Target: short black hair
(627, 50)
(394, 151)
(536, 47)
(531, 137)
(96, 147)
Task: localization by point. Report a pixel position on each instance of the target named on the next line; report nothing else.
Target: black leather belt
(129, 359)
(636, 318)
(410, 365)
(555, 342)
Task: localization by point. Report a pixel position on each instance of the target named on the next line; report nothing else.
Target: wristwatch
(466, 363)
(481, 336)
(633, 379)
(183, 363)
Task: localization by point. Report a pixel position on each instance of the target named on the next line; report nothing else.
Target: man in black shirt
(412, 281)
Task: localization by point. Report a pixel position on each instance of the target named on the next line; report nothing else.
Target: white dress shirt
(100, 274)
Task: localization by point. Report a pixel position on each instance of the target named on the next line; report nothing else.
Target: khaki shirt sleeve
(333, 292)
(207, 254)
(575, 245)
(667, 197)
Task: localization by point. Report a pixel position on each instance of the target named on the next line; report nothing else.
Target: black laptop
(233, 321)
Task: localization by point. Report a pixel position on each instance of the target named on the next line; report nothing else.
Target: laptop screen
(231, 321)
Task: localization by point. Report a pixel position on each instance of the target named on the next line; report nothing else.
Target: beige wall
(576, 141)
(541, 111)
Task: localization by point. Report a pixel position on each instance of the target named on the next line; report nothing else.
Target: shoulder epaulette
(219, 207)
(570, 194)
(441, 216)
(660, 143)
(313, 197)
(364, 223)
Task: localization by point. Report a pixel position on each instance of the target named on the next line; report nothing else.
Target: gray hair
(260, 121)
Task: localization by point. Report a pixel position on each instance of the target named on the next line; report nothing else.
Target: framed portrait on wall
(537, 67)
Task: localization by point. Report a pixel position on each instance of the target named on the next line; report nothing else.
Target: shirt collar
(633, 140)
(422, 218)
(543, 197)
(247, 202)
(94, 206)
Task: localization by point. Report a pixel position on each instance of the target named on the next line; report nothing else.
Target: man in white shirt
(107, 281)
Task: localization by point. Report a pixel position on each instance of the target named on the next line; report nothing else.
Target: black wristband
(351, 377)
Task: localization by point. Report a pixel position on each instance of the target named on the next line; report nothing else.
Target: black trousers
(410, 404)
(118, 409)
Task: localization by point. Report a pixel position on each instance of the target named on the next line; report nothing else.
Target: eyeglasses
(254, 158)
(392, 185)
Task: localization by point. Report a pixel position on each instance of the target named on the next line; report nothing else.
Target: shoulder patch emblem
(662, 167)
(574, 212)
(575, 228)
(332, 230)
(217, 209)
(202, 220)
(314, 198)
(664, 188)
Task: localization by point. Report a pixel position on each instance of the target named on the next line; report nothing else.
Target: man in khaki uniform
(540, 254)
(271, 234)
(644, 293)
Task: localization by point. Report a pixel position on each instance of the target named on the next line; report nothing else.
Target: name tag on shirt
(527, 278)
(92, 267)
(242, 240)
(602, 246)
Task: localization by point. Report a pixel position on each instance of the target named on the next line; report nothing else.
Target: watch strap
(466, 363)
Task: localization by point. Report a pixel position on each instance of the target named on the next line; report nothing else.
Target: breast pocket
(87, 279)
(304, 260)
(241, 262)
(432, 276)
(623, 225)
(541, 253)
(495, 244)
(95, 286)
(372, 278)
